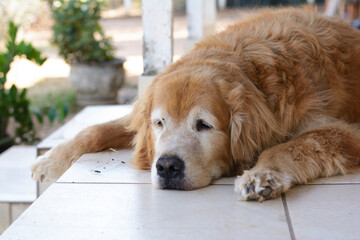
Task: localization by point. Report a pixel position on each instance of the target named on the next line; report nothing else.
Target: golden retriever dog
(274, 99)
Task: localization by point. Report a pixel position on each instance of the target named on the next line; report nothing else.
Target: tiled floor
(103, 197)
(17, 190)
(120, 203)
(325, 211)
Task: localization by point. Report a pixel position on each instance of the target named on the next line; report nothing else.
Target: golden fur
(280, 90)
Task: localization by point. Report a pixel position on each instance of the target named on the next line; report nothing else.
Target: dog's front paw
(47, 168)
(261, 185)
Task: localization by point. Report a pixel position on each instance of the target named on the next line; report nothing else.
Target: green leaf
(63, 111)
(38, 114)
(30, 52)
(13, 93)
(52, 114)
(75, 24)
(12, 31)
(23, 94)
(14, 103)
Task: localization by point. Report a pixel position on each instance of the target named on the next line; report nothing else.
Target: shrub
(77, 32)
(14, 103)
(21, 13)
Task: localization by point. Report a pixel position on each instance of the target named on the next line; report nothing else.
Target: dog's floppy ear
(253, 126)
(140, 123)
(237, 118)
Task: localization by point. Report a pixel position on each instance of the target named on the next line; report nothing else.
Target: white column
(331, 7)
(221, 4)
(127, 6)
(201, 16)
(157, 18)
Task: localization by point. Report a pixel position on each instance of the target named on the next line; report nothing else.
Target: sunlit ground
(25, 73)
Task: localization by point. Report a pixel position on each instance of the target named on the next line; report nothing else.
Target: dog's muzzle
(170, 170)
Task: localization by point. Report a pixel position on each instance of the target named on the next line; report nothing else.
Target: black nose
(170, 167)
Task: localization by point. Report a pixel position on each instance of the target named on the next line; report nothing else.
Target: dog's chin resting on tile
(273, 99)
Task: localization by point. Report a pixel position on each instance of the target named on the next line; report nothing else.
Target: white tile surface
(111, 167)
(88, 116)
(138, 211)
(105, 167)
(325, 211)
(18, 157)
(16, 184)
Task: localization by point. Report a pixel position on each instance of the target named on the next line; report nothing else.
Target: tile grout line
(288, 219)
(10, 213)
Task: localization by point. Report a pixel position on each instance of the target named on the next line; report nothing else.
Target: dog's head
(191, 133)
(197, 123)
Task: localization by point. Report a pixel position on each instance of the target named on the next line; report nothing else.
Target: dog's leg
(55, 162)
(324, 151)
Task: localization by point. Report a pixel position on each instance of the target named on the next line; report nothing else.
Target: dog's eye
(202, 126)
(159, 123)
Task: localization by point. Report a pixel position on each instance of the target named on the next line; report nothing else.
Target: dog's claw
(252, 187)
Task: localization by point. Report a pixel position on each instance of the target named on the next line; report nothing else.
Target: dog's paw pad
(261, 185)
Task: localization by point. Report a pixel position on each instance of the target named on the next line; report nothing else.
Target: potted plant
(13, 102)
(95, 73)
